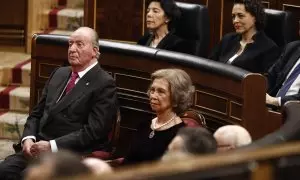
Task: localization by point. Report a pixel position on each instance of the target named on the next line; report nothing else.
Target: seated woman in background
(248, 48)
(160, 19)
(170, 93)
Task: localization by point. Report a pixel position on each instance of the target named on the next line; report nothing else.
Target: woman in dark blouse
(170, 94)
(160, 19)
(248, 48)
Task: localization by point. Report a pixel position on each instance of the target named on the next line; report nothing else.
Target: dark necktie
(288, 83)
(71, 83)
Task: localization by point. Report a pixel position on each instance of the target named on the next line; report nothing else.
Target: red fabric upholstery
(191, 122)
(193, 118)
(101, 155)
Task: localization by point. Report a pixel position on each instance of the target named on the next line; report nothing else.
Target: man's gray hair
(95, 42)
(233, 135)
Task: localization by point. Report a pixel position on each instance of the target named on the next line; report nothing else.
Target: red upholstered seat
(113, 138)
(193, 118)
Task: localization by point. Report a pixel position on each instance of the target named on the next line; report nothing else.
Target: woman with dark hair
(248, 48)
(161, 17)
(170, 94)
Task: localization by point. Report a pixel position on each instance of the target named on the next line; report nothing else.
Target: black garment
(18, 162)
(80, 121)
(170, 42)
(257, 57)
(279, 71)
(148, 149)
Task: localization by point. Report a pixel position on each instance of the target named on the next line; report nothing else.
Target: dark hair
(171, 10)
(197, 140)
(256, 9)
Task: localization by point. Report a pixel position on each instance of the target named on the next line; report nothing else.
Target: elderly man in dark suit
(76, 110)
(284, 79)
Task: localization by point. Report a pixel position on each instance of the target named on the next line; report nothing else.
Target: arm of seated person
(295, 97)
(99, 122)
(273, 103)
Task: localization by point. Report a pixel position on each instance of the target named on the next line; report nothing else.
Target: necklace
(152, 133)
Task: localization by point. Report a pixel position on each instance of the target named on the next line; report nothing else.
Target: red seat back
(193, 118)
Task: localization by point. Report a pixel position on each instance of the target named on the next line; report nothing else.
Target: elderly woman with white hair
(170, 94)
(231, 136)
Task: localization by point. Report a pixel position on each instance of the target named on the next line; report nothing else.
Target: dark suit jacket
(82, 119)
(257, 57)
(279, 71)
(170, 42)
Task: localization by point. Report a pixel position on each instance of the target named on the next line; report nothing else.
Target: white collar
(82, 73)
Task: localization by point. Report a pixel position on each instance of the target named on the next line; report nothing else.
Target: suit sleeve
(218, 49)
(269, 58)
(32, 124)
(100, 119)
(295, 97)
(275, 69)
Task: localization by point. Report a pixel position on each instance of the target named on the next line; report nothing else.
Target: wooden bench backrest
(224, 94)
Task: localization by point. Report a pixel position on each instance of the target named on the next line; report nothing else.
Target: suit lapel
(61, 87)
(79, 90)
(294, 58)
(163, 44)
(287, 64)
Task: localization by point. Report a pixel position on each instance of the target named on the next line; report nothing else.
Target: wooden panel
(129, 82)
(226, 17)
(212, 102)
(13, 22)
(292, 6)
(271, 4)
(235, 110)
(119, 20)
(221, 98)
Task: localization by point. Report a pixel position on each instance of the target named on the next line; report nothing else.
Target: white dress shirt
(294, 89)
(232, 58)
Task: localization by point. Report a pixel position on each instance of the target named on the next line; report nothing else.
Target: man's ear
(96, 52)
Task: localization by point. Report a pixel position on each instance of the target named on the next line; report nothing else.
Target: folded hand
(40, 147)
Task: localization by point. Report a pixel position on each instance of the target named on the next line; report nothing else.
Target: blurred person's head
(56, 165)
(231, 136)
(192, 141)
(248, 16)
(97, 166)
(170, 90)
(161, 14)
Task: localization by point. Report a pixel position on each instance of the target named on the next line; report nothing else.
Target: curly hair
(181, 88)
(171, 10)
(256, 9)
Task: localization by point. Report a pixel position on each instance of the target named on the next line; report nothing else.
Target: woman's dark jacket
(170, 42)
(257, 57)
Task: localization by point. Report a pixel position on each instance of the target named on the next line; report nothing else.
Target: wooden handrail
(202, 163)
